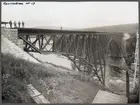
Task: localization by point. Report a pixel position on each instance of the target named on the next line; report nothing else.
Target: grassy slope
(64, 85)
(130, 28)
(18, 73)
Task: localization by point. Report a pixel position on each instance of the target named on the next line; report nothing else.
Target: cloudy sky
(72, 14)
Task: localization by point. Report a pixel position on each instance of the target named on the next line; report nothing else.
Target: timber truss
(86, 49)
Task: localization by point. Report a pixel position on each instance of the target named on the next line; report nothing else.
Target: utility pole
(136, 60)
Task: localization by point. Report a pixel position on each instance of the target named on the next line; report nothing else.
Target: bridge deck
(35, 31)
(106, 97)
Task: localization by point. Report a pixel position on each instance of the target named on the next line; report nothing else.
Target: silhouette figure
(10, 23)
(5, 24)
(19, 24)
(22, 24)
(15, 24)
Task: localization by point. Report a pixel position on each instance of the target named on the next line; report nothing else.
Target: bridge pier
(116, 75)
(12, 35)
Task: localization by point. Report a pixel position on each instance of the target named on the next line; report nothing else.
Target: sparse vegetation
(16, 74)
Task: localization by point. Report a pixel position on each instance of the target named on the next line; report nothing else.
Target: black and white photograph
(55, 52)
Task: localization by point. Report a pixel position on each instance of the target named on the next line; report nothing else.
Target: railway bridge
(98, 53)
(86, 49)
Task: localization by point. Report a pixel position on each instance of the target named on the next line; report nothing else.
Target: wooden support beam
(39, 42)
(42, 41)
(136, 60)
(26, 45)
(58, 43)
(48, 41)
(29, 39)
(37, 38)
(74, 46)
(127, 85)
(61, 43)
(73, 60)
(36, 95)
(54, 43)
(100, 63)
(95, 60)
(83, 46)
(29, 43)
(71, 44)
(67, 43)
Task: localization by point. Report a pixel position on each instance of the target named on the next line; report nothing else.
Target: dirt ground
(67, 87)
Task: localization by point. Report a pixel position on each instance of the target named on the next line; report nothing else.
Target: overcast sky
(72, 14)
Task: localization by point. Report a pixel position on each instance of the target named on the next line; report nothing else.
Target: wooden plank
(107, 97)
(36, 96)
(40, 99)
(32, 91)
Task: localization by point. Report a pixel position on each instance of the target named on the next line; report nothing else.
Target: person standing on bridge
(15, 24)
(22, 24)
(10, 23)
(19, 24)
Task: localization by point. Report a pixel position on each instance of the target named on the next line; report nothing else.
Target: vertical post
(105, 37)
(67, 44)
(29, 39)
(53, 48)
(26, 45)
(95, 53)
(74, 47)
(136, 60)
(79, 51)
(42, 38)
(39, 42)
(127, 85)
(61, 43)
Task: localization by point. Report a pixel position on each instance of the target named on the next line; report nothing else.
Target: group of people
(16, 25)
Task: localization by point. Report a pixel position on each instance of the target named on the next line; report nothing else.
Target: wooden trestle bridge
(86, 49)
